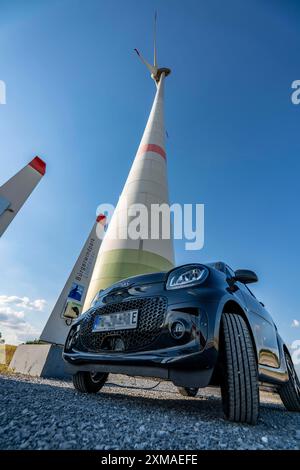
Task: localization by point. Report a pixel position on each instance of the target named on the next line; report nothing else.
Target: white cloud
(19, 333)
(10, 311)
(13, 324)
(295, 324)
(23, 302)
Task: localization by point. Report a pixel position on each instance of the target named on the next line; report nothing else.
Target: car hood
(137, 280)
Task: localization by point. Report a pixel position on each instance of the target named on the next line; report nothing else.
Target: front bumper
(184, 366)
(188, 362)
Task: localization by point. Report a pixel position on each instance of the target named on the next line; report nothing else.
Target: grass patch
(6, 354)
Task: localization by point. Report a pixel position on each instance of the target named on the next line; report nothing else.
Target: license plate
(116, 321)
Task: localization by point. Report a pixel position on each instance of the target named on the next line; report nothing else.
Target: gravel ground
(49, 414)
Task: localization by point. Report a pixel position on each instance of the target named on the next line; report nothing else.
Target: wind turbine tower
(146, 184)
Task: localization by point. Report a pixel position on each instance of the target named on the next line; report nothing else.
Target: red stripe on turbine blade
(100, 218)
(39, 165)
(153, 148)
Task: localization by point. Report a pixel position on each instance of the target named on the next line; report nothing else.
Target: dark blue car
(197, 325)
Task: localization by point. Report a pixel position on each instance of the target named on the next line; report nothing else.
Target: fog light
(177, 329)
(73, 336)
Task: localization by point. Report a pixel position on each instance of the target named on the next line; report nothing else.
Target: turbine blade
(149, 67)
(17, 190)
(154, 40)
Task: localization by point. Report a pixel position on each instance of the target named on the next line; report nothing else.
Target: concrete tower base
(39, 360)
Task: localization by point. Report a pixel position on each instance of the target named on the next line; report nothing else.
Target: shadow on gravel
(209, 407)
(24, 381)
(41, 414)
(206, 408)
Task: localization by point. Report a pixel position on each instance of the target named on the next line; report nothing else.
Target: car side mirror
(245, 276)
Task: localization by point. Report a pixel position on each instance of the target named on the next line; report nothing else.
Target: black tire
(238, 365)
(87, 382)
(290, 391)
(188, 391)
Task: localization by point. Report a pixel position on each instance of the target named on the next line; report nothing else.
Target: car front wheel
(239, 375)
(290, 391)
(89, 382)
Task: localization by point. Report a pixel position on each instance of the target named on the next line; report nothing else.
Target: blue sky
(78, 97)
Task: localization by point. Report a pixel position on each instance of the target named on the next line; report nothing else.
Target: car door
(263, 328)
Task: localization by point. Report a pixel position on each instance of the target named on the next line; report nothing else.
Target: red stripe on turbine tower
(39, 165)
(153, 148)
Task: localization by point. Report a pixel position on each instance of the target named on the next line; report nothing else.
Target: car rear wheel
(238, 366)
(188, 391)
(290, 391)
(89, 382)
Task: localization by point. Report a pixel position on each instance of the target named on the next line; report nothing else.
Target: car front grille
(152, 311)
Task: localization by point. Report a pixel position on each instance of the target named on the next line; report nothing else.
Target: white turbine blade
(17, 189)
(69, 304)
(151, 69)
(154, 35)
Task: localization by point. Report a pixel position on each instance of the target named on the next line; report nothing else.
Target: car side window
(229, 272)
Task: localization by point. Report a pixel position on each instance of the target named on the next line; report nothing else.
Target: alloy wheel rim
(96, 377)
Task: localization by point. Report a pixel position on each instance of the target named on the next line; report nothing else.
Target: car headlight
(187, 276)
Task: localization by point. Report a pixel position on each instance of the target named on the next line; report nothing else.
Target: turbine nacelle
(153, 69)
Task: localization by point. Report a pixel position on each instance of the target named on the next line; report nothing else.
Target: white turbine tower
(146, 184)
